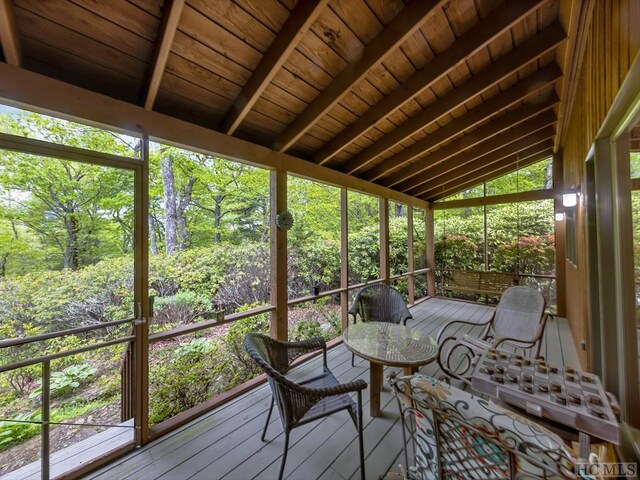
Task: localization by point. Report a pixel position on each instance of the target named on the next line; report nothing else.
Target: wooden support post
(344, 256)
(383, 212)
(410, 259)
(141, 299)
(561, 262)
(279, 297)
(431, 253)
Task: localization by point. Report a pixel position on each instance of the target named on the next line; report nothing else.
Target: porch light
(570, 198)
(559, 216)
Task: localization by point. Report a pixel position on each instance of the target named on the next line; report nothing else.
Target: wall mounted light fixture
(559, 216)
(570, 197)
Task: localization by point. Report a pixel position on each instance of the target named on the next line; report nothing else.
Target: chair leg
(352, 360)
(284, 455)
(266, 424)
(360, 440)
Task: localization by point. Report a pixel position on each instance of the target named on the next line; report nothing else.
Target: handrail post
(46, 403)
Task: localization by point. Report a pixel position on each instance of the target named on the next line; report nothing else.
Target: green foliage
(182, 308)
(12, 433)
(456, 252)
(526, 255)
(65, 381)
(196, 348)
(244, 368)
(321, 319)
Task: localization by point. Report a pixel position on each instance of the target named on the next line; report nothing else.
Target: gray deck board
(226, 442)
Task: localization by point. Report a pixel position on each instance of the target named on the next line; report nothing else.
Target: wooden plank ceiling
(427, 97)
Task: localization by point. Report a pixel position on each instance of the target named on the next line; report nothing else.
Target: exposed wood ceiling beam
(500, 20)
(476, 85)
(500, 128)
(530, 133)
(386, 42)
(532, 195)
(170, 19)
(511, 96)
(486, 168)
(9, 34)
(300, 20)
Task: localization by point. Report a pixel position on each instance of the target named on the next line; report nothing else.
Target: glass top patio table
(390, 344)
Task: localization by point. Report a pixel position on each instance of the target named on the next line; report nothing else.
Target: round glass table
(388, 344)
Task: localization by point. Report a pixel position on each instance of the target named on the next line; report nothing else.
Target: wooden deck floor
(226, 442)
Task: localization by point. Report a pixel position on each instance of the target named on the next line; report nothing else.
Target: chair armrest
(355, 386)
(306, 346)
(456, 322)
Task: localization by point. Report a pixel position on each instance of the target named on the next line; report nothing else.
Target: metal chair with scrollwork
(303, 402)
(518, 322)
(379, 303)
(451, 434)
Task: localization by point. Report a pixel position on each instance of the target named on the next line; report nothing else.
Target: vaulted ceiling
(427, 97)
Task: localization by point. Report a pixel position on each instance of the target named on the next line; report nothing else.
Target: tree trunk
(181, 213)
(71, 250)
(399, 210)
(217, 213)
(3, 265)
(169, 187)
(152, 235)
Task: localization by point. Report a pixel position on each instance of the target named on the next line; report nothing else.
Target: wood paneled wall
(612, 44)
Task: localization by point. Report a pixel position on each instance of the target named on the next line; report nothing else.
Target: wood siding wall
(612, 44)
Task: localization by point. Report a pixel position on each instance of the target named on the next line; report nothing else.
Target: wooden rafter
(387, 41)
(532, 195)
(522, 90)
(168, 28)
(475, 39)
(9, 34)
(530, 133)
(487, 168)
(487, 78)
(300, 20)
(499, 128)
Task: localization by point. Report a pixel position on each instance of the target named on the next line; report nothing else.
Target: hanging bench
(480, 283)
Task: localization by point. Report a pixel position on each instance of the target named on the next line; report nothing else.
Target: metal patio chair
(517, 322)
(451, 434)
(379, 303)
(302, 402)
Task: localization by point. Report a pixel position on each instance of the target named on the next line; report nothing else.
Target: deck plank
(226, 442)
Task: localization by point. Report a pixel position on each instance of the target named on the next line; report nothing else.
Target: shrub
(63, 382)
(181, 308)
(17, 432)
(195, 372)
(455, 252)
(244, 367)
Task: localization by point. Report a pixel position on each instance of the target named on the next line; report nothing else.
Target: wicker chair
(517, 322)
(379, 303)
(450, 434)
(303, 402)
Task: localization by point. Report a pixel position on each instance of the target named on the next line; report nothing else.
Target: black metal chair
(302, 402)
(379, 303)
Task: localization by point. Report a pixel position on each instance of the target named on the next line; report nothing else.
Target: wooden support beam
(410, 259)
(278, 247)
(23, 89)
(498, 199)
(386, 42)
(344, 256)
(9, 34)
(507, 165)
(300, 20)
(561, 262)
(431, 252)
(510, 97)
(385, 268)
(530, 133)
(500, 20)
(496, 134)
(487, 78)
(170, 19)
